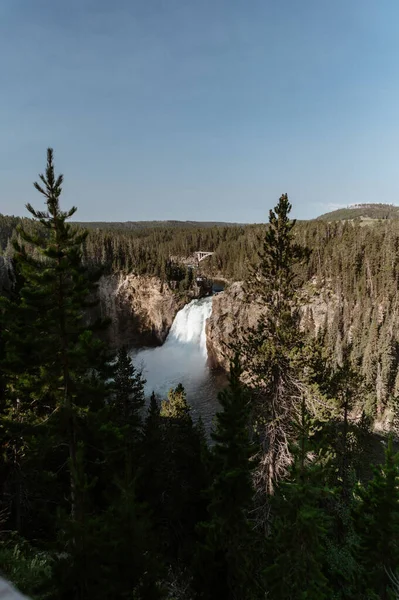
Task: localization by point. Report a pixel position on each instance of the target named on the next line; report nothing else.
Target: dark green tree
(112, 554)
(343, 440)
(126, 405)
(55, 366)
(377, 524)
(128, 393)
(152, 458)
(184, 475)
(267, 348)
(300, 526)
(226, 562)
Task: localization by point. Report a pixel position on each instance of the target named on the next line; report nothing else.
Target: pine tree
(184, 474)
(344, 441)
(267, 349)
(225, 562)
(126, 404)
(175, 406)
(128, 390)
(111, 555)
(345, 385)
(55, 366)
(151, 475)
(300, 526)
(152, 425)
(377, 524)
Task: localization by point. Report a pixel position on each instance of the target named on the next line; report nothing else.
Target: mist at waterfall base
(183, 359)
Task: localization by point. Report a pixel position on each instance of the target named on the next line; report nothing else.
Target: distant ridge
(365, 212)
(135, 225)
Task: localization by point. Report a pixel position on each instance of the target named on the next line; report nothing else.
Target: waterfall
(189, 325)
(182, 358)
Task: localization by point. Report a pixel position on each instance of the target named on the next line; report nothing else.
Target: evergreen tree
(111, 555)
(180, 474)
(267, 349)
(128, 390)
(127, 402)
(377, 524)
(345, 387)
(343, 440)
(152, 426)
(152, 474)
(300, 525)
(226, 563)
(54, 365)
(175, 406)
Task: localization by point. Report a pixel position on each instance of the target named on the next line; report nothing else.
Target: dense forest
(353, 271)
(105, 495)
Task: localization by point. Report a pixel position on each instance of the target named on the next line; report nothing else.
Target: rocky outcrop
(141, 309)
(232, 314)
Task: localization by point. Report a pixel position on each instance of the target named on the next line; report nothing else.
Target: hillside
(364, 212)
(139, 225)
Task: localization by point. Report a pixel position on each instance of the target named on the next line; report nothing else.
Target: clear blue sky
(200, 109)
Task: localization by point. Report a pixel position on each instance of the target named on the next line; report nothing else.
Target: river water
(183, 359)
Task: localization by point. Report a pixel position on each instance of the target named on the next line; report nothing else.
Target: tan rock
(232, 314)
(141, 308)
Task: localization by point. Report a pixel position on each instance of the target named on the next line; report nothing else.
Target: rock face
(231, 314)
(141, 309)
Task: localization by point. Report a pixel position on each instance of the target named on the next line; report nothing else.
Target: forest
(354, 268)
(105, 494)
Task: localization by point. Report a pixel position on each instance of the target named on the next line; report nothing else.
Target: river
(183, 359)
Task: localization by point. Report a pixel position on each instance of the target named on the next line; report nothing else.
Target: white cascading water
(183, 356)
(183, 359)
(189, 325)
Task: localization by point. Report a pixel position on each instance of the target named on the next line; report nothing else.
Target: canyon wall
(232, 315)
(141, 309)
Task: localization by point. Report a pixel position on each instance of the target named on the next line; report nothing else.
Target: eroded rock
(141, 309)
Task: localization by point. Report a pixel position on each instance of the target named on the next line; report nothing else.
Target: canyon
(142, 309)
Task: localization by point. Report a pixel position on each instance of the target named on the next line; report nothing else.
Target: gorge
(349, 288)
(183, 359)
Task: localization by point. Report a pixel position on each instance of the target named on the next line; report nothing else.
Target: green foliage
(268, 348)
(126, 405)
(173, 473)
(128, 389)
(300, 525)
(377, 524)
(176, 407)
(151, 473)
(55, 369)
(112, 554)
(343, 440)
(225, 565)
(29, 569)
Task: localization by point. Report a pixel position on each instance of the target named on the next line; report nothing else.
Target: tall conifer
(267, 348)
(300, 525)
(377, 524)
(64, 376)
(226, 563)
